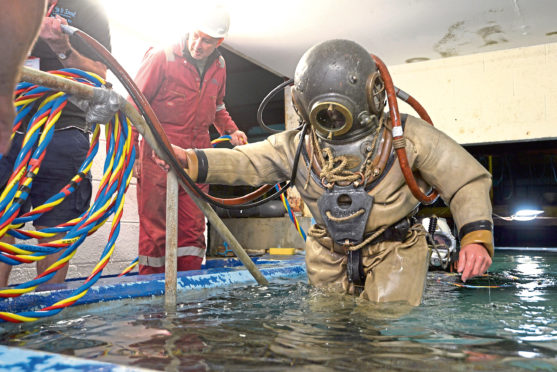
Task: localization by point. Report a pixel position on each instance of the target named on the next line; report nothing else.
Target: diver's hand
(238, 138)
(179, 153)
(473, 260)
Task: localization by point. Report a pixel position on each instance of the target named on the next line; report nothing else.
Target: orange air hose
(398, 134)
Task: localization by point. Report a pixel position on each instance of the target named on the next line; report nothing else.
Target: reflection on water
(508, 325)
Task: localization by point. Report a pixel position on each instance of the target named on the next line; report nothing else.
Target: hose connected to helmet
(335, 119)
(398, 133)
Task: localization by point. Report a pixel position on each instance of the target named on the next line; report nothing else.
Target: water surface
(505, 321)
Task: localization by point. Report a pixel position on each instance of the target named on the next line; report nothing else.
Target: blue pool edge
(220, 273)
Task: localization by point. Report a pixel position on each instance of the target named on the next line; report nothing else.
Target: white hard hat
(214, 21)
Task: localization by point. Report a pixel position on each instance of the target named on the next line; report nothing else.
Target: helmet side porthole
(376, 95)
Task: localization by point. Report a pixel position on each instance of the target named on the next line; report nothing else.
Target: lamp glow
(526, 214)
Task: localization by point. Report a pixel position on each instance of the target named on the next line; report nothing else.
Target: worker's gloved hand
(238, 138)
(186, 158)
(473, 260)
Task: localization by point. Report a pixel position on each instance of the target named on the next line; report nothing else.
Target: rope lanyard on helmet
(159, 135)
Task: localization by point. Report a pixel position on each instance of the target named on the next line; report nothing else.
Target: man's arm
(224, 123)
(263, 162)
(59, 42)
(464, 185)
(19, 23)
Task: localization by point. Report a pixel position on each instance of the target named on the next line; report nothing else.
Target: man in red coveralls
(185, 85)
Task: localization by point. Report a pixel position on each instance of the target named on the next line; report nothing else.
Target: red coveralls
(185, 104)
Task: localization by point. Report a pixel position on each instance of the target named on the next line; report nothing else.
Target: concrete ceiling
(276, 34)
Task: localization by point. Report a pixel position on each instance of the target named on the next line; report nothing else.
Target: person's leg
(151, 207)
(42, 265)
(5, 269)
(191, 232)
(6, 165)
(325, 267)
(64, 156)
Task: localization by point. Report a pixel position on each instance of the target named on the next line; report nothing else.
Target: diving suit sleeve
(258, 163)
(463, 183)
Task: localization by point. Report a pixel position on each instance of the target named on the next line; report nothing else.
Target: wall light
(526, 214)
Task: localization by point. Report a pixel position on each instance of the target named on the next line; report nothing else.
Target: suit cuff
(480, 232)
(202, 165)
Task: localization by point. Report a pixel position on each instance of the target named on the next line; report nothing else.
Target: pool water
(505, 321)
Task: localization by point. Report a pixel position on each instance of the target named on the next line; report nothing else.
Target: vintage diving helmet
(339, 92)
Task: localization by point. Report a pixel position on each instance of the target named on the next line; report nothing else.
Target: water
(291, 326)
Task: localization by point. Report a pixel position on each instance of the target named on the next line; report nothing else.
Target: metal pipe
(171, 249)
(38, 77)
(87, 92)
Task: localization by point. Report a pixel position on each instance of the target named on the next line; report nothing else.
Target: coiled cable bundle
(108, 201)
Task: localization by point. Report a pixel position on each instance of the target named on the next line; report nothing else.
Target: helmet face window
(331, 118)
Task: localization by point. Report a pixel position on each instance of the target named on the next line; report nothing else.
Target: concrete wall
(276, 232)
(508, 95)
(498, 96)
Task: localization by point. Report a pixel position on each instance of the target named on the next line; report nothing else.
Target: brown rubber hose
(400, 150)
(138, 97)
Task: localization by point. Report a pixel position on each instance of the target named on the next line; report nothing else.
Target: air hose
(398, 133)
(160, 137)
(291, 214)
(108, 202)
(266, 101)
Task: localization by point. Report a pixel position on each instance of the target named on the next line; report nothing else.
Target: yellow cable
(18, 317)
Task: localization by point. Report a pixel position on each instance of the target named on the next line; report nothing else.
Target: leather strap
(354, 268)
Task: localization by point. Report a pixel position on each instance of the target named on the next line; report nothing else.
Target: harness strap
(355, 269)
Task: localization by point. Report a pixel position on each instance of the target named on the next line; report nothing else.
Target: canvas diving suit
(394, 270)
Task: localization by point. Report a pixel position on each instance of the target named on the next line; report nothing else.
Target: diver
(366, 240)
